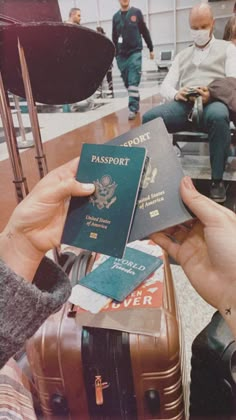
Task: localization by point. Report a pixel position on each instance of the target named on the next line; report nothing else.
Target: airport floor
(110, 117)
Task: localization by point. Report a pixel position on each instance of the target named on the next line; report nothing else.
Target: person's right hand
(207, 252)
(181, 94)
(152, 55)
(205, 94)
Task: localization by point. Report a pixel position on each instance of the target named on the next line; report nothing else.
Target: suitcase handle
(168, 296)
(77, 268)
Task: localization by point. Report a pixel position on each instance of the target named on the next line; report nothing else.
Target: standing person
(74, 16)
(196, 67)
(127, 27)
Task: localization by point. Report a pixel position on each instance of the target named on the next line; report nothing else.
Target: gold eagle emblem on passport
(104, 193)
(149, 175)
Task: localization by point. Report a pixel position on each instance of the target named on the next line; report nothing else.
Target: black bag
(196, 114)
(213, 372)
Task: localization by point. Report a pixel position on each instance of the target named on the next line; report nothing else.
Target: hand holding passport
(102, 222)
(131, 200)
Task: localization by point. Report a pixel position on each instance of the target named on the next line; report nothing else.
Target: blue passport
(117, 278)
(159, 203)
(102, 222)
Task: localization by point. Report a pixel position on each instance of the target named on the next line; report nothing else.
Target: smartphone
(192, 92)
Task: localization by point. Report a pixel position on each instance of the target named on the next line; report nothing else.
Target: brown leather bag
(224, 90)
(96, 373)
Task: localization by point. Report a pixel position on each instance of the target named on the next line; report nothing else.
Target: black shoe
(218, 192)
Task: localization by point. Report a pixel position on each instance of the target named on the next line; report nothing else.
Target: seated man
(197, 66)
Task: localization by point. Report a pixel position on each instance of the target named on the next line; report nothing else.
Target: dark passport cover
(102, 222)
(117, 278)
(159, 204)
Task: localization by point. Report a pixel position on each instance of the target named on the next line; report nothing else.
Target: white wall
(166, 19)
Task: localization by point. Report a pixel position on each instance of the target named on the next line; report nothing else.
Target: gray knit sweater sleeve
(25, 306)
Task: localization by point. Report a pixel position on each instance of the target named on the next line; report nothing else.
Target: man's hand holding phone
(192, 93)
(187, 94)
(205, 94)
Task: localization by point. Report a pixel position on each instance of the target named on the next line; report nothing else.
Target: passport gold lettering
(151, 199)
(110, 160)
(154, 195)
(137, 140)
(108, 222)
(97, 219)
(144, 199)
(97, 225)
(154, 213)
(92, 218)
(97, 222)
(93, 235)
(127, 266)
(152, 202)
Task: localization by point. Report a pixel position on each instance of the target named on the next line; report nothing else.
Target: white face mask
(200, 36)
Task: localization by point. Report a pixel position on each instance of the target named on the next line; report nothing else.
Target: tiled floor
(195, 164)
(54, 124)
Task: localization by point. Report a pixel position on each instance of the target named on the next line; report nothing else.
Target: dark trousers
(215, 124)
(130, 68)
(110, 80)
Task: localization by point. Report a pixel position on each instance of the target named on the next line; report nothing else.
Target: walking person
(128, 27)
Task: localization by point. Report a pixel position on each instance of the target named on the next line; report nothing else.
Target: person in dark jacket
(32, 287)
(128, 27)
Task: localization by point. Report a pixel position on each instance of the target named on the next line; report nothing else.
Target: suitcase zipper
(106, 363)
(99, 387)
(114, 347)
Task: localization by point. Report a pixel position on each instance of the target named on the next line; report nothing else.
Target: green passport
(117, 278)
(102, 222)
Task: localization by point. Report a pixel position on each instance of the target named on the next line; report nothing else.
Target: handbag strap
(197, 113)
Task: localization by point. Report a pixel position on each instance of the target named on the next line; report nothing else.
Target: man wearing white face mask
(196, 67)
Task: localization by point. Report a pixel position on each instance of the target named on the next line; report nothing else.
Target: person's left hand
(37, 222)
(205, 94)
(152, 55)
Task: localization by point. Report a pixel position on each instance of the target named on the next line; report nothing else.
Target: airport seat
(194, 136)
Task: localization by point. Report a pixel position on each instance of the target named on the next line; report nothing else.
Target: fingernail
(188, 183)
(87, 187)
